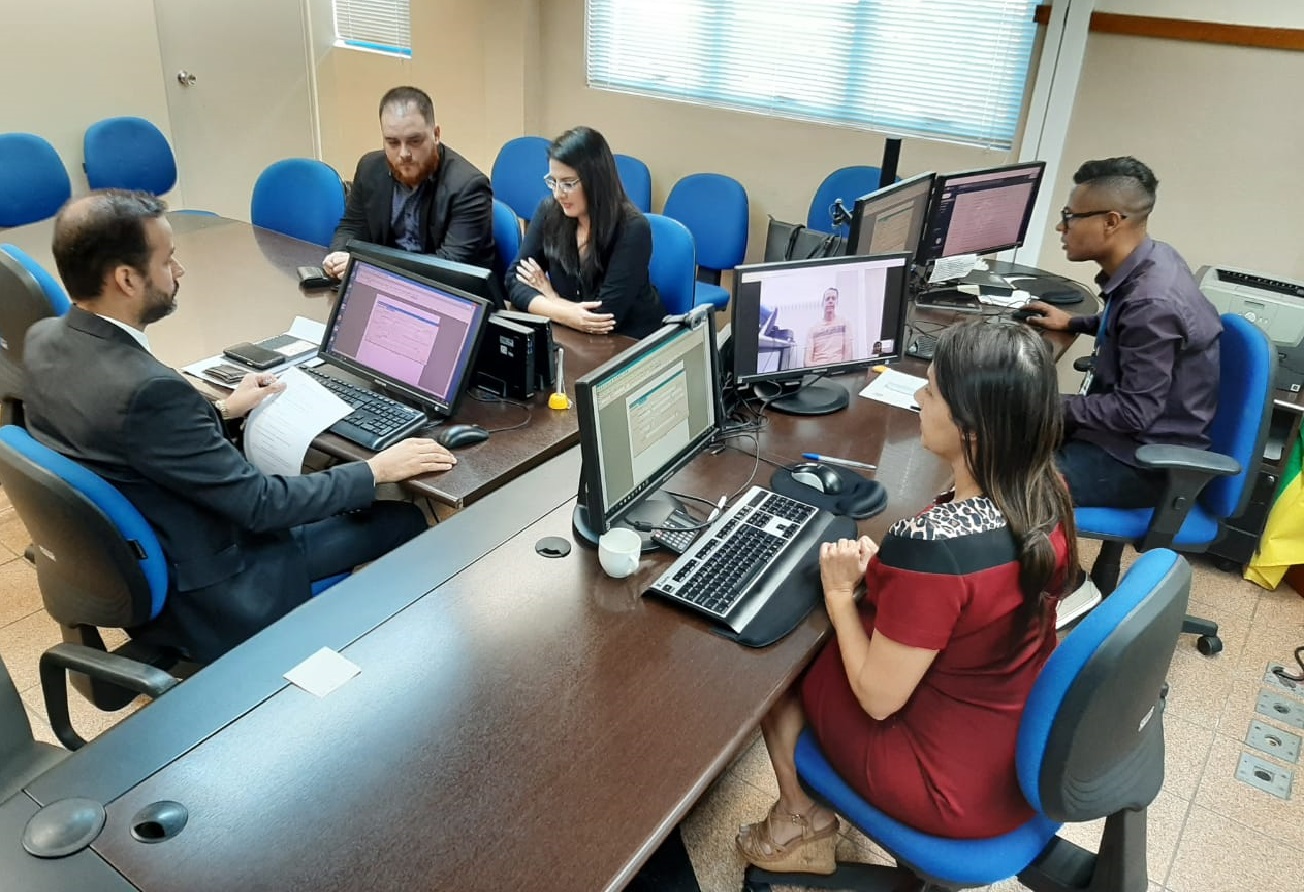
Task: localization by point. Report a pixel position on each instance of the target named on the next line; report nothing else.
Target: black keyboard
(376, 420)
(717, 573)
(922, 347)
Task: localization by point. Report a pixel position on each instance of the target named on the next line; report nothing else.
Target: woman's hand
(842, 567)
(581, 316)
(528, 272)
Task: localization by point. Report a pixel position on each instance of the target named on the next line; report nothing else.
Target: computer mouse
(818, 477)
(459, 436)
(1022, 313)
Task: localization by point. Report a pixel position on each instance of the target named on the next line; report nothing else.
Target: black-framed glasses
(1067, 216)
(566, 187)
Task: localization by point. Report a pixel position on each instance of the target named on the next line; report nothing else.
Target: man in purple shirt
(1154, 378)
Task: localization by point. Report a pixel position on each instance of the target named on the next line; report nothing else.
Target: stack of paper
(895, 388)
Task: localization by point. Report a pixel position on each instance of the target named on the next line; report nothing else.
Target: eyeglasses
(565, 187)
(1067, 216)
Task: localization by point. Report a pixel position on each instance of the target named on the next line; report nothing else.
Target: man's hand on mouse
(410, 458)
(1045, 316)
(335, 263)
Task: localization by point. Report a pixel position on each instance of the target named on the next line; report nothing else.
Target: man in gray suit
(242, 547)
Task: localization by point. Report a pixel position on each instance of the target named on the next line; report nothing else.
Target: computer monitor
(405, 333)
(642, 416)
(826, 316)
(462, 276)
(892, 219)
(980, 211)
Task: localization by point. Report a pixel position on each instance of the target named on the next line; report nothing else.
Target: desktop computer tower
(506, 363)
(545, 355)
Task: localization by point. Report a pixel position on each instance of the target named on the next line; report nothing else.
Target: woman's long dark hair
(585, 149)
(1000, 384)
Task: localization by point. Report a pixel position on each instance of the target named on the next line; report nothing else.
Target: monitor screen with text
(891, 219)
(405, 332)
(980, 211)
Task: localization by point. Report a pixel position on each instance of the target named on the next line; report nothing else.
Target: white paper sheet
(281, 428)
(323, 672)
(302, 327)
(895, 388)
(947, 268)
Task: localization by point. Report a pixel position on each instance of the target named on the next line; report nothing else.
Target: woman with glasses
(916, 701)
(584, 258)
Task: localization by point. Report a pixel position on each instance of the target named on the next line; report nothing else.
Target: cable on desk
(485, 396)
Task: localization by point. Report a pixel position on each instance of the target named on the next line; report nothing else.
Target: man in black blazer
(242, 547)
(418, 194)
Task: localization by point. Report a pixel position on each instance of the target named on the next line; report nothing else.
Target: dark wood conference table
(240, 284)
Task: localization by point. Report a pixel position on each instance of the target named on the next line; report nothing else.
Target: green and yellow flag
(1282, 544)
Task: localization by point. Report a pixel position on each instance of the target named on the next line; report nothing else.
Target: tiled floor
(1208, 832)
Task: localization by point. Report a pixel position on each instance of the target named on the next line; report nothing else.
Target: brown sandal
(812, 852)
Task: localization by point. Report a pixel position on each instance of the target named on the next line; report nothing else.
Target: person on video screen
(828, 342)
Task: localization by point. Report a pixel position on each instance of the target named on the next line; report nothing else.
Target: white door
(239, 94)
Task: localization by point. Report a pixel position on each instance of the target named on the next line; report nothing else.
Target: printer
(1274, 305)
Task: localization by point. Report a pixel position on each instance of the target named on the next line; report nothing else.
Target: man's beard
(424, 171)
(160, 304)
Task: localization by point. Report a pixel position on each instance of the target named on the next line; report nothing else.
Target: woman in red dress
(917, 701)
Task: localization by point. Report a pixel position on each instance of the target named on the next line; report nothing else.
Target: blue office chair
(99, 564)
(507, 235)
(637, 180)
(33, 181)
(673, 263)
(518, 172)
(1090, 745)
(27, 293)
(128, 153)
(1193, 512)
(847, 183)
(299, 197)
(714, 208)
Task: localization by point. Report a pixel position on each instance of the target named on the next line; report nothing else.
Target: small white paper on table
(302, 327)
(895, 388)
(281, 428)
(306, 329)
(322, 672)
(1009, 301)
(947, 268)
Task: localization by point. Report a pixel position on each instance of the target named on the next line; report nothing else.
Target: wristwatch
(222, 410)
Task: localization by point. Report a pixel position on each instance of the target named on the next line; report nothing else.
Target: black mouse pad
(860, 496)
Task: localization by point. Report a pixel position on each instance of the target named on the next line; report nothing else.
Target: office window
(954, 71)
(383, 26)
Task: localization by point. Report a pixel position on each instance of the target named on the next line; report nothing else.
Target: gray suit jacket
(95, 395)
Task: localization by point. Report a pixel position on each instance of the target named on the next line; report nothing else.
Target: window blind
(381, 25)
(954, 71)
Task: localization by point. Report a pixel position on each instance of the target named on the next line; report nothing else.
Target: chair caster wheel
(1208, 644)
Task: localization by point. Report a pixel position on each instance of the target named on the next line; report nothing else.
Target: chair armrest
(112, 668)
(1187, 472)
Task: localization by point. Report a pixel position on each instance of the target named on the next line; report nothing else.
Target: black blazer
(625, 290)
(97, 396)
(456, 215)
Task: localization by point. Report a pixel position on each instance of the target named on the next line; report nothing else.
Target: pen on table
(843, 462)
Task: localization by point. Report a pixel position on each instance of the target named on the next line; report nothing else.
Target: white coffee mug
(618, 552)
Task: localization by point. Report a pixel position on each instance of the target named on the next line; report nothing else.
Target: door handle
(185, 78)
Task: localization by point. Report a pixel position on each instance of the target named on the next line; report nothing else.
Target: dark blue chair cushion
(128, 153)
(33, 181)
(673, 268)
(299, 197)
(714, 207)
(518, 172)
(637, 180)
(1130, 525)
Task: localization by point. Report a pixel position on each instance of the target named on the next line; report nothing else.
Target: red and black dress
(946, 580)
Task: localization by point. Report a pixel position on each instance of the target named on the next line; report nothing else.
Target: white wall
(68, 63)
(1261, 13)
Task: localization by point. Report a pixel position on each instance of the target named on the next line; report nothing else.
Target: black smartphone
(312, 278)
(253, 356)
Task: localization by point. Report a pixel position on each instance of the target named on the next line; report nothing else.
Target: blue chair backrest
(128, 153)
(847, 183)
(714, 208)
(1240, 424)
(299, 197)
(673, 268)
(33, 181)
(518, 172)
(1091, 738)
(507, 234)
(98, 560)
(637, 180)
(50, 287)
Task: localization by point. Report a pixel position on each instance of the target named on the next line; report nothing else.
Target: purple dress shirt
(1155, 378)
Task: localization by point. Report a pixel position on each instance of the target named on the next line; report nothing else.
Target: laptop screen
(405, 332)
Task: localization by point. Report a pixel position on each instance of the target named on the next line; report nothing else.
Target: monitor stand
(819, 397)
(651, 511)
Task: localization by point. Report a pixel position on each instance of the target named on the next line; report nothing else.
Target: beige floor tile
(41, 728)
(1284, 605)
(1186, 749)
(87, 721)
(4, 500)
(1233, 629)
(1239, 709)
(20, 596)
(710, 828)
(13, 535)
(1217, 854)
(1209, 585)
(1198, 687)
(753, 767)
(1273, 637)
(23, 642)
(1221, 793)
